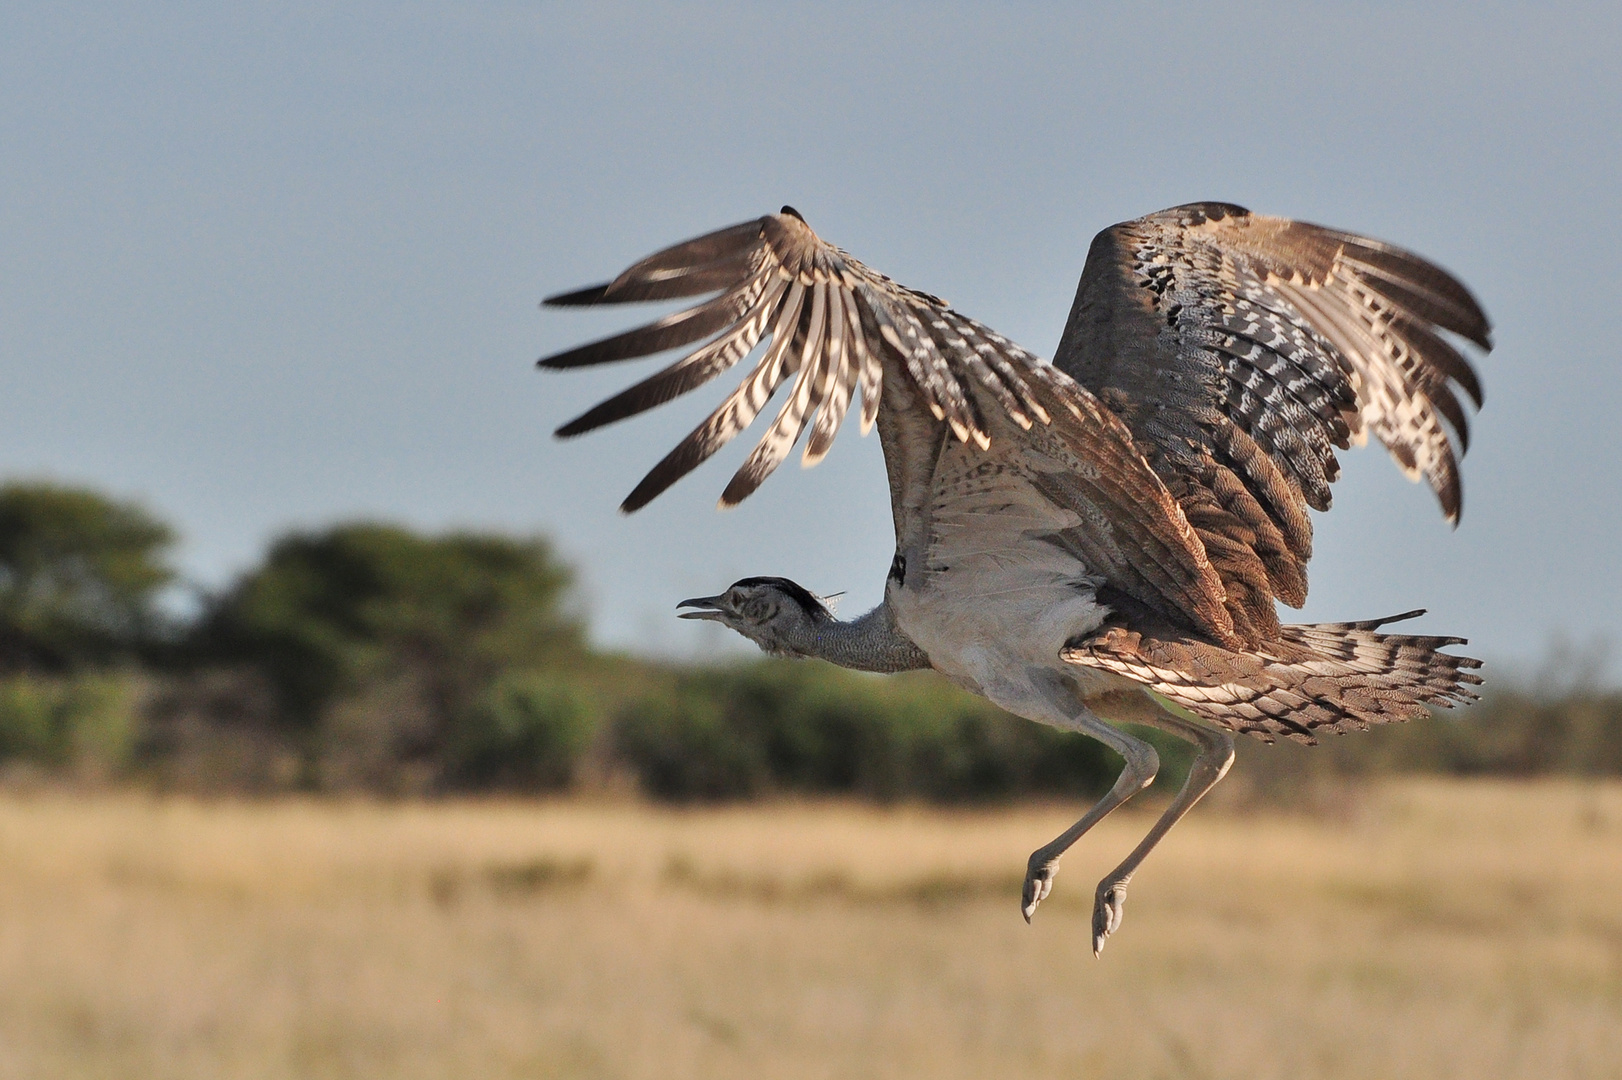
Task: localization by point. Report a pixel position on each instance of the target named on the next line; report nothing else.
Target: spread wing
(832, 323)
(1242, 350)
(832, 328)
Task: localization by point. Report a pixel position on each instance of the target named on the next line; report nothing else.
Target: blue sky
(271, 266)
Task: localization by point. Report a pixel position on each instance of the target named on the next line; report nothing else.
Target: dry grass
(1439, 930)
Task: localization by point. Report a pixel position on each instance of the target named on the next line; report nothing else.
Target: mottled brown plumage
(1309, 679)
(1241, 350)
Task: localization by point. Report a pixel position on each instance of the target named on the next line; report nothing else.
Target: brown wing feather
(1319, 677)
(848, 322)
(1242, 350)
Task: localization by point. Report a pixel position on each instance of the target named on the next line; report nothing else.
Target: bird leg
(1210, 766)
(1138, 773)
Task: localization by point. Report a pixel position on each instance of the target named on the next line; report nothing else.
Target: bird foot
(1107, 911)
(1038, 883)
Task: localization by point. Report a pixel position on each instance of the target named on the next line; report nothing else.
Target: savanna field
(1413, 928)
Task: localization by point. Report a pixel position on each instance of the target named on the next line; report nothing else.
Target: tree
(79, 576)
(406, 632)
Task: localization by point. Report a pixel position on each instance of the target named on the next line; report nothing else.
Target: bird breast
(994, 592)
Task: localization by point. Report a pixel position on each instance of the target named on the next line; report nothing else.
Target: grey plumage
(786, 619)
(1069, 534)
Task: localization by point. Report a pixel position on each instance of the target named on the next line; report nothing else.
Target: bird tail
(1316, 677)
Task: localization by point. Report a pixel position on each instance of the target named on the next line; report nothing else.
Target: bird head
(775, 613)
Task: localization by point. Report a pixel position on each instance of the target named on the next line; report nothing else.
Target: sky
(266, 267)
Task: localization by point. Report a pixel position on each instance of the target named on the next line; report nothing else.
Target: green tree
(419, 625)
(79, 576)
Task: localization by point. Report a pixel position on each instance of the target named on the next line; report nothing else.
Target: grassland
(1428, 929)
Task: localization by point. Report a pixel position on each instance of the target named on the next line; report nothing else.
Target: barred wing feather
(1314, 678)
(1243, 350)
(831, 322)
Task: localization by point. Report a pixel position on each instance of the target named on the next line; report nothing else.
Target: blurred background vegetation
(367, 657)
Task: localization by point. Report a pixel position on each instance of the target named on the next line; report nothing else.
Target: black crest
(796, 592)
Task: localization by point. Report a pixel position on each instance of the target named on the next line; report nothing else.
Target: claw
(1107, 911)
(1038, 883)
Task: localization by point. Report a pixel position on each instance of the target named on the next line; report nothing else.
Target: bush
(807, 727)
(1524, 733)
(681, 744)
(528, 730)
(87, 720)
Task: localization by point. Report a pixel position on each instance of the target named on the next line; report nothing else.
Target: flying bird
(1101, 539)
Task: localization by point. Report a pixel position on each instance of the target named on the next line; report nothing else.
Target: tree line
(369, 657)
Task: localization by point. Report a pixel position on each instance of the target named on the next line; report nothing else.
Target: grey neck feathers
(870, 643)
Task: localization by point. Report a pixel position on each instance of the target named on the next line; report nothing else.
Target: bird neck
(870, 643)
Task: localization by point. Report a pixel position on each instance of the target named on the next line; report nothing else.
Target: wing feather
(673, 331)
(734, 415)
(841, 373)
(1242, 351)
(688, 373)
(806, 395)
(858, 322)
(691, 268)
(871, 372)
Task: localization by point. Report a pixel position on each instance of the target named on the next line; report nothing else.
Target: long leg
(1210, 766)
(1142, 763)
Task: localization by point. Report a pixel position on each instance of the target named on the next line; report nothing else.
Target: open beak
(709, 608)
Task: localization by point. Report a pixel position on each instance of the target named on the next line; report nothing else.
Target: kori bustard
(1073, 536)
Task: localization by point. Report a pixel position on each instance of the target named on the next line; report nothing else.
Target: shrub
(681, 744)
(528, 730)
(807, 727)
(88, 720)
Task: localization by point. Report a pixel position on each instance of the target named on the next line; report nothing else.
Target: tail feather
(1316, 677)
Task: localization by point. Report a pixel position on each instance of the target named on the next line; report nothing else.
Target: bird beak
(710, 608)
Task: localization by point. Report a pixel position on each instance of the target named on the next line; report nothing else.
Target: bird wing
(834, 327)
(1242, 350)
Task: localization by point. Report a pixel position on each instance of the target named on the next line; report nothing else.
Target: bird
(1103, 538)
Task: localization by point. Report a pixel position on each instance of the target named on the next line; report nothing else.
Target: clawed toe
(1038, 883)
(1107, 912)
